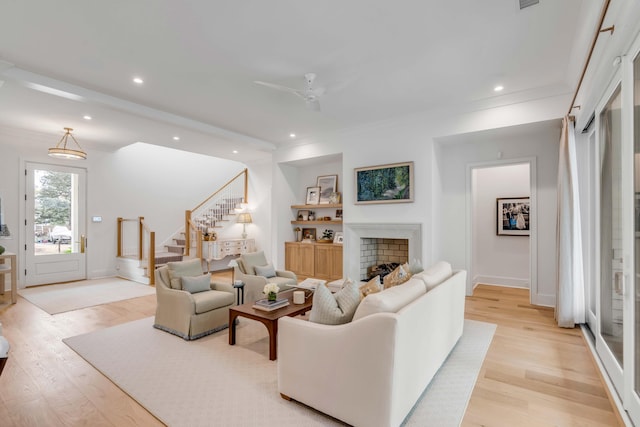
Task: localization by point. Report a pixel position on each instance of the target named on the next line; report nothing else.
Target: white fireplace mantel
(354, 232)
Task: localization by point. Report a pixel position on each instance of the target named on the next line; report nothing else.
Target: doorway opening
(501, 232)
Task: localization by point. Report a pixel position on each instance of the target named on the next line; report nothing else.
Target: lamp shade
(244, 218)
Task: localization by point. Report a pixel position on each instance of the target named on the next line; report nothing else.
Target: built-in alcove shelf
(319, 206)
(333, 221)
(316, 208)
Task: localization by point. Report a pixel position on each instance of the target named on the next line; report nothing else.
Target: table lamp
(244, 219)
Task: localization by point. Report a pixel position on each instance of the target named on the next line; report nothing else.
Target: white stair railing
(216, 209)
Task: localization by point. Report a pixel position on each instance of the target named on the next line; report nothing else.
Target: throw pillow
(415, 266)
(250, 260)
(390, 300)
(435, 274)
(178, 269)
(335, 309)
(396, 277)
(195, 284)
(371, 287)
(265, 270)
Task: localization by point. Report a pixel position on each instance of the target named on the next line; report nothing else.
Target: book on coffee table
(266, 305)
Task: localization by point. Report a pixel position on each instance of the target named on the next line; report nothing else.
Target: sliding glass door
(609, 339)
(617, 333)
(632, 392)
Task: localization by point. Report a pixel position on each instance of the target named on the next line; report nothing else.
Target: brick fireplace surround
(354, 240)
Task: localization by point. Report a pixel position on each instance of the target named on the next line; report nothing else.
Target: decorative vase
(272, 296)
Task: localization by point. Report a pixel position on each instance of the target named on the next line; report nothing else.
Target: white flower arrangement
(270, 287)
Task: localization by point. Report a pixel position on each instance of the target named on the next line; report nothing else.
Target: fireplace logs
(381, 270)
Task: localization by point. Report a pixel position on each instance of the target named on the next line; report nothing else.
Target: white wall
(138, 180)
(499, 260)
(539, 141)
(439, 181)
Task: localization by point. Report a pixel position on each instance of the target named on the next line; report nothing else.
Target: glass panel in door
(611, 257)
(55, 224)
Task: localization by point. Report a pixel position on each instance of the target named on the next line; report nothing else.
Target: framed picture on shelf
(513, 216)
(338, 237)
(328, 185)
(392, 183)
(303, 215)
(338, 213)
(313, 195)
(309, 234)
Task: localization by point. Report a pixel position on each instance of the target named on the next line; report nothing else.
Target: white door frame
(54, 268)
(533, 222)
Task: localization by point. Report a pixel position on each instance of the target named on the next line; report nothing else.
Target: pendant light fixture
(60, 151)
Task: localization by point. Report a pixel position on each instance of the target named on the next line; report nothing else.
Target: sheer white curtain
(570, 302)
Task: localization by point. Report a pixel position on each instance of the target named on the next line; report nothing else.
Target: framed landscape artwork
(328, 185)
(513, 216)
(392, 183)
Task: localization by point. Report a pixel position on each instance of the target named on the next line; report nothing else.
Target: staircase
(208, 218)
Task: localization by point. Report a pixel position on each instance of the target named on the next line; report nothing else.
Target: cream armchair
(191, 315)
(253, 284)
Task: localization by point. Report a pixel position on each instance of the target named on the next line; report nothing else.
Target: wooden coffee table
(267, 318)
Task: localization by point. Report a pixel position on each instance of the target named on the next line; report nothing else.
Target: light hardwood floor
(535, 374)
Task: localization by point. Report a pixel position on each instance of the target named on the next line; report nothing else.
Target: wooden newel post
(152, 258)
(187, 232)
(119, 238)
(140, 238)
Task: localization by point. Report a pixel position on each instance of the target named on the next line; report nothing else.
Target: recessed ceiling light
(235, 151)
(292, 135)
(138, 80)
(498, 88)
(176, 138)
(87, 117)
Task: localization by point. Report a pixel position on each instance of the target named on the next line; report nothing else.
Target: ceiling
(199, 59)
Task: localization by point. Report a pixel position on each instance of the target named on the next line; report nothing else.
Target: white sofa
(371, 371)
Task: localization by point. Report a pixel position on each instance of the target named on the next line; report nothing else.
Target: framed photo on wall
(392, 183)
(313, 195)
(328, 184)
(513, 216)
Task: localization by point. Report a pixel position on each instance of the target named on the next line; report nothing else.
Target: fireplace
(378, 256)
(393, 242)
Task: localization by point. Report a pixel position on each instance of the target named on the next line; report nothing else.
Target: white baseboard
(543, 300)
(511, 282)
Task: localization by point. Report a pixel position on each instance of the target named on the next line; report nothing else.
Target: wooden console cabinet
(317, 260)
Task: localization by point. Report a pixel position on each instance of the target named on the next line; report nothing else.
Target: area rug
(85, 293)
(208, 382)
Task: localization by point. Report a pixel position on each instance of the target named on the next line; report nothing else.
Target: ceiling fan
(310, 94)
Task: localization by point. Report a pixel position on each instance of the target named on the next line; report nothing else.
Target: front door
(55, 224)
